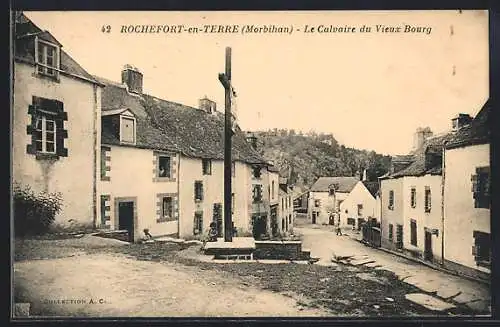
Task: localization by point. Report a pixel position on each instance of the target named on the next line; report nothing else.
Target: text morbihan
(250, 28)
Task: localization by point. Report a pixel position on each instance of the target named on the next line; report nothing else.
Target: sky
(370, 90)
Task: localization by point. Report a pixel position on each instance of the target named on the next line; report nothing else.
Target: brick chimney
(132, 77)
(420, 136)
(461, 120)
(207, 105)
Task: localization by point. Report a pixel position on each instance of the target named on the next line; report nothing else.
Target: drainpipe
(443, 174)
(179, 196)
(94, 164)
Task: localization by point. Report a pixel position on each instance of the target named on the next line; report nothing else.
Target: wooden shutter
(475, 185)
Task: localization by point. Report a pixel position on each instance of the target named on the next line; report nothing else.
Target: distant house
(326, 196)
(359, 206)
(162, 166)
(300, 199)
(286, 213)
(55, 123)
(274, 199)
(467, 230)
(411, 198)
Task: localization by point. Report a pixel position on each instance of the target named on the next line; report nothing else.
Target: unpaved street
(324, 244)
(129, 287)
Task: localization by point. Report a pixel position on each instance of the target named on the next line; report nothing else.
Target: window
(272, 190)
(391, 200)
(413, 232)
(257, 193)
(256, 172)
(360, 210)
(198, 223)
(47, 56)
(47, 128)
(399, 236)
(233, 169)
(391, 232)
(167, 208)
(317, 203)
(331, 191)
(481, 187)
(163, 166)
(45, 135)
(289, 219)
(282, 223)
(207, 166)
(282, 203)
(427, 199)
(482, 249)
(351, 221)
(127, 129)
(413, 197)
(198, 191)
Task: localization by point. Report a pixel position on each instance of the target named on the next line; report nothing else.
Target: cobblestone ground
(454, 290)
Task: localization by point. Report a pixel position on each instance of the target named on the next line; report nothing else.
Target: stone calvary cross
(225, 79)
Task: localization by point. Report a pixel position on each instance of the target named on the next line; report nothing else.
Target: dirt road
(113, 285)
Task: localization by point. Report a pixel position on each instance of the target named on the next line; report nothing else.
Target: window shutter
(195, 224)
(195, 190)
(201, 191)
(474, 251)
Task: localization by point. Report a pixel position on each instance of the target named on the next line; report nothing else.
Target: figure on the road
(337, 223)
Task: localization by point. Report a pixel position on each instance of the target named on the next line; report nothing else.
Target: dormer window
(127, 129)
(47, 57)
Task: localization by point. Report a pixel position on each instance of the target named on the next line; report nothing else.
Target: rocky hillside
(304, 157)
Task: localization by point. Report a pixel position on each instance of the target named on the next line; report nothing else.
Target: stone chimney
(252, 139)
(420, 136)
(207, 105)
(132, 77)
(461, 120)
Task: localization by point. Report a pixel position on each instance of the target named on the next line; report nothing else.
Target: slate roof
(343, 184)
(171, 126)
(25, 32)
(372, 187)
(478, 132)
(418, 167)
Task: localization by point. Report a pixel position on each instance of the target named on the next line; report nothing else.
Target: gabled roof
(478, 132)
(25, 32)
(117, 112)
(341, 184)
(171, 126)
(418, 167)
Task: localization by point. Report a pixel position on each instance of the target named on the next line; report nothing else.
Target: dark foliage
(34, 213)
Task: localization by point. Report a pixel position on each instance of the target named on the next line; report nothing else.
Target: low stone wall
(280, 250)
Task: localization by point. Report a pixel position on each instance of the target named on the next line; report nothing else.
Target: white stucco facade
(461, 217)
(72, 175)
(132, 177)
(349, 206)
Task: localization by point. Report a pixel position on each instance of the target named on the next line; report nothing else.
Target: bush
(34, 213)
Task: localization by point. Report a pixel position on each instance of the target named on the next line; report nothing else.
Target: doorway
(126, 218)
(428, 246)
(259, 226)
(217, 218)
(314, 217)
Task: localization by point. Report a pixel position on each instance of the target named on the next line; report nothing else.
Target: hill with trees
(303, 157)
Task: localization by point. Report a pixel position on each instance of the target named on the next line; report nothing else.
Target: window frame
(427, 199)
(317, 203)
(413, 197)
(257, 196)
(360, 210)
(476, 249)
(481, 183)
(43, 119)
(168, 168)
(42, 68)
(198, 223)
(171, 216)
(134, 129)
(198, 191)
(413, 232)
(391, 200)
(391, 233)
(206, 166)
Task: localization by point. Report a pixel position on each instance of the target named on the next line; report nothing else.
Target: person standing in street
(337, 223)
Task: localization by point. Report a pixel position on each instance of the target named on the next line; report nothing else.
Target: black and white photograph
(200, 164)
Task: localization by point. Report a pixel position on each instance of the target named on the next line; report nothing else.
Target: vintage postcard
(250, 164)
